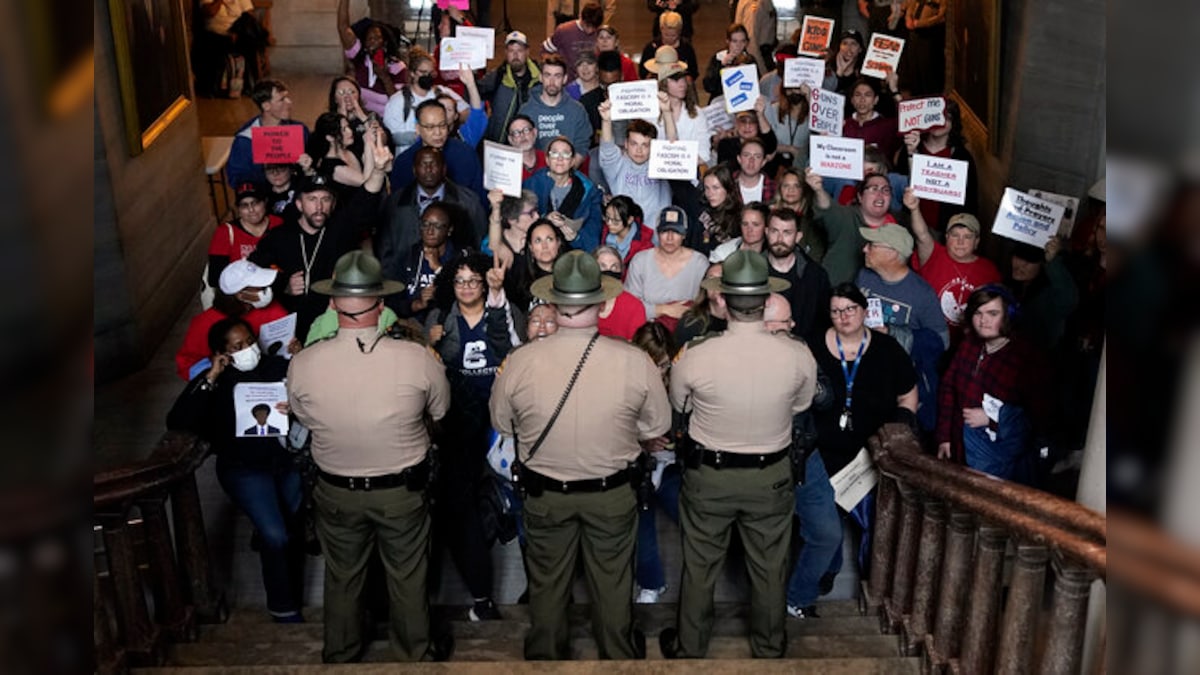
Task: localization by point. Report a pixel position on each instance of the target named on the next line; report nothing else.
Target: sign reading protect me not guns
(277, 145)
(921, 114)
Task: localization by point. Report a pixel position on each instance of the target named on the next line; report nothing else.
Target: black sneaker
(484, 610)
(825, 585)
(668, 643)
(441, 647)
(809, 612)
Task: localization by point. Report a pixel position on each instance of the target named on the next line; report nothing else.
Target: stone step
(247, 652)
(731, 620)
(835, 666)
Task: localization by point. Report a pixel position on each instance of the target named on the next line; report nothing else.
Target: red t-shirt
(195, 343)
(627, 316)
(953, 282)
(241, 244)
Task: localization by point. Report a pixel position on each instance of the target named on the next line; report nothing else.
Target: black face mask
(795, 99)
(425, 81)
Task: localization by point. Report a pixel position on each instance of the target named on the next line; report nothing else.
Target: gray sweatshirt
(568, 118)
(629, 179)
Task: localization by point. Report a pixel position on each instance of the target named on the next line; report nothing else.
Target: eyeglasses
(346, 92)
(473, 282)
(612, 219)
(520, 132)
(844, 311)
(433, 225)
(442, 126)
(530, 213)
(559, 155)
(882, 189)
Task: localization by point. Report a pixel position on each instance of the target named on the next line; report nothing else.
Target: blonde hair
(670, 19)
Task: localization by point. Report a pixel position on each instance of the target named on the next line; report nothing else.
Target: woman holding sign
(257, 472)
(568, 198)
(944, 141)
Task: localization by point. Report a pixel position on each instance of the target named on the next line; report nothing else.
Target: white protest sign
(921, 114)
(718, 119)
(457, 51)
(883, 56)
(874, 318)
(634, 100)
(274, 336)
(502, 167)
(803, 70)
(939, 178)
(1025, 218)
(739, 85)
(250, 417)
(854, 481)
(828, 108)
(1070, 204)
(487, 36)
(836, 157)
(673, 160)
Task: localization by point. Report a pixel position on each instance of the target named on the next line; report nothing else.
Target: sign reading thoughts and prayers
(803, 70)
(1070, 206)
(815, 35)
(502, 168)
(922, 113)
(883, 56)
(828, 109)
(939, 178)
(673, 160)
(1026, 218)
(836, 157)
(277, 145)
(739, 85)
(634, 100)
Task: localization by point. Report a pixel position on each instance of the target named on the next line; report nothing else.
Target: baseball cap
(516, 36)
(852, 35)
(964, 220)
(890, 235)
(673, 219)
(248, 190)
(315, 183)
(241, 274)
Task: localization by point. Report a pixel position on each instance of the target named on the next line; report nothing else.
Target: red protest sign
(277, 145)
(815, 35)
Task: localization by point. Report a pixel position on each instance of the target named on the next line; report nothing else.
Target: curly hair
(443, 294)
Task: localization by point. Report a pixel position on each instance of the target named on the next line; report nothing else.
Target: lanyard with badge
(845, 423)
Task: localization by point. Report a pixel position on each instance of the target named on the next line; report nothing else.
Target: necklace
(308, 262)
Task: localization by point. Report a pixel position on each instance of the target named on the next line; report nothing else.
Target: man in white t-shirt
(400, 113)
(754, 185)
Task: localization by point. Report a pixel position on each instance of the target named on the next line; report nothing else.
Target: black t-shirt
(886, 373)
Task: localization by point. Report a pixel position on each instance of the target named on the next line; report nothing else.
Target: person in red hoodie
(244, 291)
(623, 315)
(623, 230)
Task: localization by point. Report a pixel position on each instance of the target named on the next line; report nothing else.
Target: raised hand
(911, 140)
(605, 110)
(813, 179)
(911, 201)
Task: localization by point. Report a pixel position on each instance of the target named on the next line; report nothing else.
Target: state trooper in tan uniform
(579, 496)
(365, 396)
(742, 388)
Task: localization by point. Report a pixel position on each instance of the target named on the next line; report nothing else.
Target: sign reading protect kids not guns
(815, 35)
(922, 113)
(827, 110)
(883, 56)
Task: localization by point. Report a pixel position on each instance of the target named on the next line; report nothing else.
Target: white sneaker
(649, 596)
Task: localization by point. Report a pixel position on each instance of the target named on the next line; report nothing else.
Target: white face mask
(246, 359)
(264, 298)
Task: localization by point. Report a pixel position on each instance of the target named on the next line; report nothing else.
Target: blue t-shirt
(478, 363)
(909, 302)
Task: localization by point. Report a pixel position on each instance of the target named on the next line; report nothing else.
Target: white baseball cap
(516, 36)
(243, 274)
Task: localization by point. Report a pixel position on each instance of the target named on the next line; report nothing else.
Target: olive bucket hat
(745, 273)
(357, 274)
(576, 280)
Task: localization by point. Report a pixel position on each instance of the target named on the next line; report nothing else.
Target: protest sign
(883, 56)
(739, 85)
(1069, 204)
(673, 160)
(803, 70)
(458, 51)
(274, 336)
(921, 114)
(1026, 218)
(854, 481)
(277, 145)
(874, 317)
(939, 178)
(815, 35)
(718, 119)
(502, 168)
(828, 108)
(464, 5)
(486, 36)
(247, 396)
(836, 157)
(634, 100)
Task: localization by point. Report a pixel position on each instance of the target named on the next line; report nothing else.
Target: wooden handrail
(176, 456)
(1021, 509)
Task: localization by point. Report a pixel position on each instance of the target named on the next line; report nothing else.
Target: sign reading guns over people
(827, 110)
(634, 100)
(939, 178)
(277, 145)
(1026, 218)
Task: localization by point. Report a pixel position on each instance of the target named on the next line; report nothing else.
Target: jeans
(271, 499)
(820, 530)
(649, 565)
